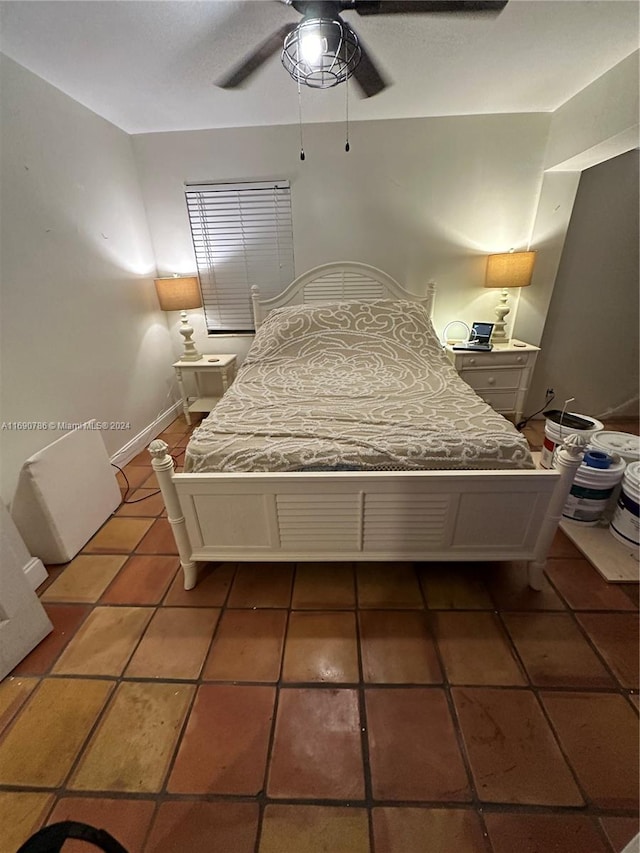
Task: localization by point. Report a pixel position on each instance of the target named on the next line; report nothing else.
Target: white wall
(590, 342)
(419, 198)
(81, 335)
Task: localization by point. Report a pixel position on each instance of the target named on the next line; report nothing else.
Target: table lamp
(180, 293)
(511, 269)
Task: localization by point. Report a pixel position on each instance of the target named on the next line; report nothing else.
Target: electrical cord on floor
(137, 500)
(548, 400)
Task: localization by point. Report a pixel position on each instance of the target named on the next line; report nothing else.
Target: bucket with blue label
(593, 486)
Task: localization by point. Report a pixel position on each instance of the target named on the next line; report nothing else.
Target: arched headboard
(340, 280)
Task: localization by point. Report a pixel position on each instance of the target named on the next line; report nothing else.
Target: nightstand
(222, 365)
(501, 377)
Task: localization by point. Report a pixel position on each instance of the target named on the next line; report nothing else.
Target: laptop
(479, 340)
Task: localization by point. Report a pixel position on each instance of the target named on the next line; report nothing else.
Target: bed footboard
(364, 516)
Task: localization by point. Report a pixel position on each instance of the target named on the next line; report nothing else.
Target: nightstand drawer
(501, 401)
(496, 359)
(507, 379)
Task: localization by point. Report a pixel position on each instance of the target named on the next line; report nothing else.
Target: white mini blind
(242, 235)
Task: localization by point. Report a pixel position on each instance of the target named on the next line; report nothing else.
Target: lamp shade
(178, 293)
(511, 269)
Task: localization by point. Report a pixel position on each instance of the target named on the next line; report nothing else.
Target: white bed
(407, 430)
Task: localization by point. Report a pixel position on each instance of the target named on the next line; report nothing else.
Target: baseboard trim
(141, 440)
(35, 572)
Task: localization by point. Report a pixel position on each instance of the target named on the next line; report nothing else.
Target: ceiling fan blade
(367, 76)
(416, 7)
(254, 60)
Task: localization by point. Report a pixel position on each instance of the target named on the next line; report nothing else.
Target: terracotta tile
(513, 754)
(324, 586)
(175, 644)
(247, 646)
(314, 829)
(180, 426)
(152, 481)
(599, 735)
(616, 637)
(413, 750)
(214, 581)
(142, 503)
(539, 833)
(632, 591)
(151, 715)
(563, 548)
(201, 827)
(135, 477)
(316, 750)
(583, 588)
(85, 578)
(321, 647)
(104, 644)
(620, 831)
(20, 816)
(262, 585)
(41, 745)
(14, 692)
(510, 589)
(388, 585)
(412, 830)
(159, 539)
(142, 458)
(452, 586)
(118, 535)
(66, 619)
(476, 650)
(397, 648)
(224, 747)
(126, 820)
(554, 652)
(144, 580)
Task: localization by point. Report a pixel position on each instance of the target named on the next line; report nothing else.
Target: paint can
(624, 444)
(554, 434)
(625, 525)
(595, 480)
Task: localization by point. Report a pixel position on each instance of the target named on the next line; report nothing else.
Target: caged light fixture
(321, 52)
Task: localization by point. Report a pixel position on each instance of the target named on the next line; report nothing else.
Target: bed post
(567, 461)
(255, 303)
(163, 465)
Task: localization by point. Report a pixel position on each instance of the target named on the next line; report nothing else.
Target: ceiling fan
(322, 50)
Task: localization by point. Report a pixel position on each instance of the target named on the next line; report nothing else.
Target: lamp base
(499, 336)
(190, 352)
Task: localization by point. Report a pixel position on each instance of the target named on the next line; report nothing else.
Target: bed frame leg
(163, 465)
(568, 460)
(535, 574)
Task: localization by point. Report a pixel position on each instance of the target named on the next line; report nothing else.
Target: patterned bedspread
(352, 386)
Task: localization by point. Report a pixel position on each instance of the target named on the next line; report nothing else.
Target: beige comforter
(357, 385)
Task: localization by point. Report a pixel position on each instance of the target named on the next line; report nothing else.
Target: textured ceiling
(152, 66)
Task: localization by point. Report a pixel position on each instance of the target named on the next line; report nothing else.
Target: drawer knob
(472, 361)
(491, 381)
(519, 359)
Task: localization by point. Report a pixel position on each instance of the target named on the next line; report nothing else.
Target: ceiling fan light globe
(336, 60)
(312, 46)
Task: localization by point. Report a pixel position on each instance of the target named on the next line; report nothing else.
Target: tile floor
(323, 709)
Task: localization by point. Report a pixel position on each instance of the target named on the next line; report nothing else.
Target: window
(242, 235)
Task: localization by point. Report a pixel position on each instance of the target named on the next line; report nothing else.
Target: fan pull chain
(346, 86)
(300, 120)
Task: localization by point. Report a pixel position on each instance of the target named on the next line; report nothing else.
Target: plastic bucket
(554, 434)
(627, 446)
(593, 486)
(625, 525)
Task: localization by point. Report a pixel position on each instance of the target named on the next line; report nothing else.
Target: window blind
(242, 235)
